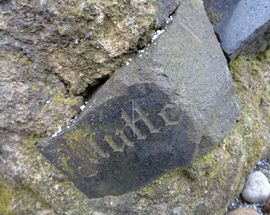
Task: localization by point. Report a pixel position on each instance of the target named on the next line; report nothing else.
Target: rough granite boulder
(241, 25)
(165, 108)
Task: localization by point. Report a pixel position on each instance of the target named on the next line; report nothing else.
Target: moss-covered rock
(16, 199)
(41, 83)
(50, 58)
(6, 198)
(216, 178)
(206, 187)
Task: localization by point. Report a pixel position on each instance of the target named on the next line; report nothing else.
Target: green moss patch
(217, 178)
(60, 99)
(6, 198)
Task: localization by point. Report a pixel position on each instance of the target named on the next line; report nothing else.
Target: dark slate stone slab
(242, 25)
(125, 142)
(171, 104)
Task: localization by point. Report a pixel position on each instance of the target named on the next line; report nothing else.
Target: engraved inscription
(100, 152)
(130, 122)
(144, 117)
(123, 139)
(115, 146)
(87, 171)
(163, 115)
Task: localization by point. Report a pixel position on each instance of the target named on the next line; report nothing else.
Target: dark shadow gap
(93, 88)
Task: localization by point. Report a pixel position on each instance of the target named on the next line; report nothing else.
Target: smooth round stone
(257, 188)
(244, 211)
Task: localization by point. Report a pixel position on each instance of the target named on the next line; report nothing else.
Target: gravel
(264, 167)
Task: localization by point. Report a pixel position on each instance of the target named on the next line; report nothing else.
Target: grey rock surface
(48, 61)
(161, 111)
(257, 188)
(165, 8)
(242, 25)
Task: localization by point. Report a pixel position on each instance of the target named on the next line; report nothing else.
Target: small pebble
(256, 188)
(244, 211)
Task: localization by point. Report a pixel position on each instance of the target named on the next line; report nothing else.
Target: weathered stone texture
(49, 59)
(53, 57)
(242, 25)
(32, 101)
(205, 188)
(165, 7)
(199, 189)
(156, 114)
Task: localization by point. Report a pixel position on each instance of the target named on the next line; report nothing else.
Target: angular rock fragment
(172, 103)
(242, 25)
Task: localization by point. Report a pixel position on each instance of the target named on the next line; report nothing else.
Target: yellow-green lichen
(60, 99)
(80, 136)
(81, 142)
(253, 87)
(76, 135)
(64, 159)
(29, 144)
(108, 138)
(218, 176)
(6, 198)
(110, 29)
(24, 60)
(16, 197)
(214, 17)
(80, 9)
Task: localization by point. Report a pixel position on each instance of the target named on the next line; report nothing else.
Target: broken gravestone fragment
(169, 105)
(242, 25)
